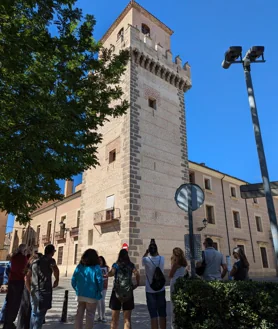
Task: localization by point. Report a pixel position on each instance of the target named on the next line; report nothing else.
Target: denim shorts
(156, 303)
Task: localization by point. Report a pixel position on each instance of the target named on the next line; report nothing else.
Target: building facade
(129, 197)
(232, 222)
(3, 224)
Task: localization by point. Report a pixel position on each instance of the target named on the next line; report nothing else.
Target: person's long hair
(178, 257)
(123, 257)
(31, 259)
(104, 264)
(90, 258)
(242, 256)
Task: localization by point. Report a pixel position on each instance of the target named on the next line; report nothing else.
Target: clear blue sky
(219, 124)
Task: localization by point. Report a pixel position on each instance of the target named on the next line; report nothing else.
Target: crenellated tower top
(149, 42)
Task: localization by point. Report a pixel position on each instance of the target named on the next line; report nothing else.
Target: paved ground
(140, 316)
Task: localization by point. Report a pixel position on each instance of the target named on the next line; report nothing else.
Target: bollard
(65, 307)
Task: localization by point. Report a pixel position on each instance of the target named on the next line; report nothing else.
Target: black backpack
(158, 281)
(123, 286)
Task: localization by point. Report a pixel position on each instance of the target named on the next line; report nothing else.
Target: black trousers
(14, 295)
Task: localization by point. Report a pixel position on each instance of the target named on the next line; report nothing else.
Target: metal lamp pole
(252, 56)
(262, 159)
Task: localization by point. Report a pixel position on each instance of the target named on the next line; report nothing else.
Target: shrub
(227, 305)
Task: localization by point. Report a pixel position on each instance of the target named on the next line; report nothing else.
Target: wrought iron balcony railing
(107, 216)
(46, 238)
(60, 235)
(74, 232)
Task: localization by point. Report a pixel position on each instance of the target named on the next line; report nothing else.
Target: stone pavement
(140, 316)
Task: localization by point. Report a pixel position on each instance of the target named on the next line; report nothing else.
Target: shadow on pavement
(140, 319)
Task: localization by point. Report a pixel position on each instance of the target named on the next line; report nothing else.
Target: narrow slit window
(152, 103)
(112, 156)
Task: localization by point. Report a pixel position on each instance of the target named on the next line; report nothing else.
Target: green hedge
(225, 305)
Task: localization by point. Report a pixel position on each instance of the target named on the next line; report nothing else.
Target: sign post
(190, 197)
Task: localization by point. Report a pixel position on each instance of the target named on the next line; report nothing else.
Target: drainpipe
(55, 218)
(251, 240)
(225, 214)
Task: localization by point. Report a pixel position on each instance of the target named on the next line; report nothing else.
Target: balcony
(74, 232)
(60, 236)
(107, 216)
(46, 239)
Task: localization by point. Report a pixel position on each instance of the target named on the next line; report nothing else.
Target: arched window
(145, 29)
(121, 33)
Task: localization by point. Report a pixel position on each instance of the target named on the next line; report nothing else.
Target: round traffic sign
(189, 196)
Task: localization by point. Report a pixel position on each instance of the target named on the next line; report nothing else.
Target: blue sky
(219, 123)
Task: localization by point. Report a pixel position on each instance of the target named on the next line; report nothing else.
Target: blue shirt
(87, 281)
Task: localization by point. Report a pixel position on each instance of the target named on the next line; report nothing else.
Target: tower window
(112, 156)
(152, 103)
(145, 29)
(120, 33)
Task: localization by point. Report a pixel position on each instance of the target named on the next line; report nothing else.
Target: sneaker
(103, 320)
(98, 320)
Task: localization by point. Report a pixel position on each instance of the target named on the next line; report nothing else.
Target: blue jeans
(3, 311)
(37, 315)
(156, 303)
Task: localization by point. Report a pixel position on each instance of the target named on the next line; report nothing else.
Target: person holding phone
(101, 303)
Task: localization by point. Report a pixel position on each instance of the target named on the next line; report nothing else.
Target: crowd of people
(29, 280)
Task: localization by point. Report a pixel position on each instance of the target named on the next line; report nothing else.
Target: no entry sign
(125, 246)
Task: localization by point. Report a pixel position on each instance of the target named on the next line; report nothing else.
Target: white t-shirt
(150, 264)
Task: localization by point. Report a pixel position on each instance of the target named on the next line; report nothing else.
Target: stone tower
(129, 198)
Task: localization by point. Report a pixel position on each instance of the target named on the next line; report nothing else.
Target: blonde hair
(178, 257)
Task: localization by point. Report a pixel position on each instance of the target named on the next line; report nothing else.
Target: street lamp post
(256, 55)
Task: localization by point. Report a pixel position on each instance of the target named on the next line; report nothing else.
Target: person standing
(87, 282)
(155, 286)
(4, 289)
(101, 303)
(39, 284)
(15, 286)
(178, 270)
(213, 261)
(24, 314)
(241, 267)
(122, 294)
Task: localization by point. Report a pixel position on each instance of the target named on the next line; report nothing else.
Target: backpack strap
(154, 263)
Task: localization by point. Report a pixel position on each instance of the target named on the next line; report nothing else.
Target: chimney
(202, 164)
(68, 187)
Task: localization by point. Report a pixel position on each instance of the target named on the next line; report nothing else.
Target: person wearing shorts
(115, 304)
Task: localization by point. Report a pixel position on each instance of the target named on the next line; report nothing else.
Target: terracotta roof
(134, 4)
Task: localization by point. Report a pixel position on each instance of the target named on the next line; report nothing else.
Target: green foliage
(231, 305)
(50, 107)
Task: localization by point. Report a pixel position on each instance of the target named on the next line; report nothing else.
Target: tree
(55, 92)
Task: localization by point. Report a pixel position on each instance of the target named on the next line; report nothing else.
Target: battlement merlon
(153, 57)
